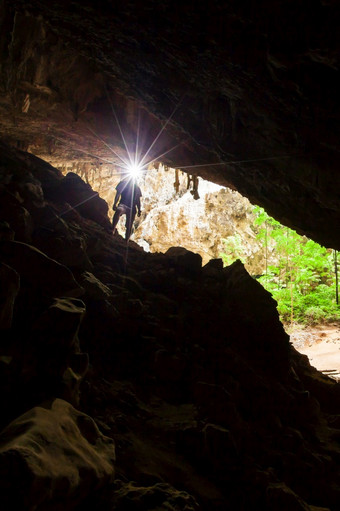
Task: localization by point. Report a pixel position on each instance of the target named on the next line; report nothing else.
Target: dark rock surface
(187, 369)
(248, 92)
(53, 453)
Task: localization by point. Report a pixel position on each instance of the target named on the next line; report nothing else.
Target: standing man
(127, 202)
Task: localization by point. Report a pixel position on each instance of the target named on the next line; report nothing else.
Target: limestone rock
(69, 252)
(81, 196)
(94, 288)
(39, 270)
(244, 296)
(250, 84)
(53, 455)
(213, 268)
(46, 361)
(212, 405)
(154, 498)
(184, 260)
(73, 377)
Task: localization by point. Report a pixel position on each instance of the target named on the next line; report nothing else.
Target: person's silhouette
(127, 202)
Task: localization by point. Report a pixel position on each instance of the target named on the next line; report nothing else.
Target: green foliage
(298, 272)
(233, 249)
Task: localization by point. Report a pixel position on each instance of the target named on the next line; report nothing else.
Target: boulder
(31, 193)
(94, 288)
(184, 261)
(247, 307)
(43, 361)
(38, 270)
(52, 457)
(54, 340)
(213, 268)
(80, 195)
(68, 251)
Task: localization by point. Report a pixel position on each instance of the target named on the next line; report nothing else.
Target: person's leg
(130, 216)
(118, 213)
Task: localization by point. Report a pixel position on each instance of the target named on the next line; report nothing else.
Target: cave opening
(181, 210)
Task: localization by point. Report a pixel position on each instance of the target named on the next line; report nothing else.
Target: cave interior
(136, 381)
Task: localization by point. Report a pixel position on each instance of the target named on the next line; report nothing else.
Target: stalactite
(176, 183)
(194, 180)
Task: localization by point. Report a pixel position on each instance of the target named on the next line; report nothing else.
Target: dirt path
(321, 344)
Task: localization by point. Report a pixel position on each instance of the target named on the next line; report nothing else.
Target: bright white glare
(134, 170)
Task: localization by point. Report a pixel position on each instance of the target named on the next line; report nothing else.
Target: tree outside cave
(301, 275)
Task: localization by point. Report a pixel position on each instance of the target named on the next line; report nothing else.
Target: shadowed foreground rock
(52, 453)
(187, 369)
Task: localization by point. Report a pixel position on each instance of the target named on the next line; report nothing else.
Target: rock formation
(245, 96)
(185, 368)
(173, 216)
(53, 453)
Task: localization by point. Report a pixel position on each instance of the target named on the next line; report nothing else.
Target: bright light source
(134, 170)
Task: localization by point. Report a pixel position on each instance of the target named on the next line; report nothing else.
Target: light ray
(163, 154)
(107, 145)
(236, 162)
(163, 128)
(118, 124)
(82, 150)
(137, 138)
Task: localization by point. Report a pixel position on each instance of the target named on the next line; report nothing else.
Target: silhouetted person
(127, 202)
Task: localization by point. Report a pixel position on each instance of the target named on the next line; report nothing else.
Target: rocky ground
(145, 382)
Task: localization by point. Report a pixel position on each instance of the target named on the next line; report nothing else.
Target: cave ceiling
(242, 93)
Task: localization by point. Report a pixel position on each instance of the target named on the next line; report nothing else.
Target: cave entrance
(179, 209)
(216, 222)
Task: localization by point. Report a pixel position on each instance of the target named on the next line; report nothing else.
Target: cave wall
(131, 380)
(186, 369)
(230, 83)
